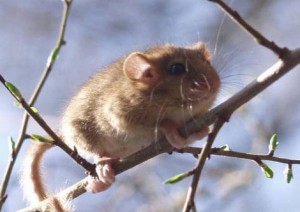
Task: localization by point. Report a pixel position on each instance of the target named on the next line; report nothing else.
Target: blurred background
(98, 33)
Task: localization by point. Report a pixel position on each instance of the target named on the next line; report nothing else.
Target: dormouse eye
(176, 69)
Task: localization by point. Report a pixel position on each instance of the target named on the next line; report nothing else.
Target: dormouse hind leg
(170, 129)
(106, 175)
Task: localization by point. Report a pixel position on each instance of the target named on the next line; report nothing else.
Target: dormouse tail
(31, 178)
(32, 181)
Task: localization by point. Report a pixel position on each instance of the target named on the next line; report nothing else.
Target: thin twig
(189, 203)
(90, 168)
(257, 35)
(240, 155)
(25, 119)
(59, 43)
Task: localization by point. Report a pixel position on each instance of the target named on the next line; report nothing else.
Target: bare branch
(257, 35)
(189, 203)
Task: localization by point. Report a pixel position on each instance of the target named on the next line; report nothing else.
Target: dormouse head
(174, 75)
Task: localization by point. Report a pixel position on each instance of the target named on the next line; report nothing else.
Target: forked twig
(256, 35)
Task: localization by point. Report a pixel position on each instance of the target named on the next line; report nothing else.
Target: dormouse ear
(200, 46)
(138, 67)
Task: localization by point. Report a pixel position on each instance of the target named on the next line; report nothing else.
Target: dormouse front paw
(170, 129)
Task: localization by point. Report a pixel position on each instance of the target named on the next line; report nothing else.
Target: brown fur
(119, 109)
(31, 179)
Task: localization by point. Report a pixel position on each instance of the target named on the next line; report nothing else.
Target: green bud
(14, 90)
(40, 138)
(267, 170)
(288, 173)
(273, 143)
(53, 56)
(176, 178)
(34, 110)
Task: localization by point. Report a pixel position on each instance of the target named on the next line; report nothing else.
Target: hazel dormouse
(126, 106)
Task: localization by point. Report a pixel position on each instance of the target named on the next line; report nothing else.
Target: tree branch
(24, 124)
(256, 35)
(203, 155)
(240, 155)
(56, 139)
(263, 81)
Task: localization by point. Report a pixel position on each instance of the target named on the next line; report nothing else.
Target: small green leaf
(40, 138)
(273, 143)
(176, 178)
(53, 56)
(14, 90)
(267, 170)
(34, 110)
(288, 173)
(225, 147)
